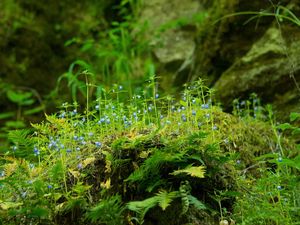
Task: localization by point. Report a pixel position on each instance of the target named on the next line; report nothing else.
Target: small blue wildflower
(98, 144)
(83, 119)
(91, 134)
(113, 107)
(193, 101)
(74, 112)
(179, 110)
(193, 112)
(29, 182)
(75, 137)
(199, 124)
(83, 142)
(226, 141)
(14, 148)
(68, 150)
(149, 108)
(279, 187)
(238, 162)
(120, 87)
(279, 159)
(161, 116)
(215, 127)
(183, 117)
(36, 151)
(243, 103)
(62, 115)
(108, 121)
(207, 115)
(81, 138)
(182, 108)
(2, 174)
(79, 166)
(156, 95)
(77, 148)
(62, 146)
(49, 186)
(97, 107)
(205, 106)
(134, 114)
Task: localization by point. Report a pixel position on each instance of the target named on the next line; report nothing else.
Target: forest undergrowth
(153, 159)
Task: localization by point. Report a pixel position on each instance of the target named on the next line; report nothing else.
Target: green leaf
(194, 171)
(34, 110)
(285, 126)
(165, 198)
(18, 97)
(294, 116)
(15, 124)
(194, 201)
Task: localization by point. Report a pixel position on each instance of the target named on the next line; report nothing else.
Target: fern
(184, 190)
(162, 198)
(108, 211)
(152, 165)
(20, 139)
(194, 171)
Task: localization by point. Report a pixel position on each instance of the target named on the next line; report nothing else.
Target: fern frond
(194, 171)
(152, 165)
(164, 198)
(108, 211)
(195, 202)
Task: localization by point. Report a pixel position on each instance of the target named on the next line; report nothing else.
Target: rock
(270, 68)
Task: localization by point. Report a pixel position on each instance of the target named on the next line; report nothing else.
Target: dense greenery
(122, 149)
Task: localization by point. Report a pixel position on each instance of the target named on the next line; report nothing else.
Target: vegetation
(121, 149)
(127, 162)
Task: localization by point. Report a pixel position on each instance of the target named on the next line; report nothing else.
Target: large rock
(270, 68)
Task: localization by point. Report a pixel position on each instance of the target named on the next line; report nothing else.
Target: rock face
(269, 68)
(234, 57)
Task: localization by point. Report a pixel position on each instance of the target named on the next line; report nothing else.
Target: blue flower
(49, 186)
(215, 127)
(79, 166)
(156, 95)
(205, 106)
(280, 159)
(97, 107)
(279, 187)
(36, 151)
(193, 112)
(98, 144)
(183, 117)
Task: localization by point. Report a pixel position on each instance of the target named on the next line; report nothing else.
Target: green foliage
(108, 211)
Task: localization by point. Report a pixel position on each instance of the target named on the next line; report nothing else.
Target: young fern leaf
(194, 171)
(164, 198)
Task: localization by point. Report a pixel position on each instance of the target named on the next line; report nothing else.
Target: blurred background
(51, 50)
